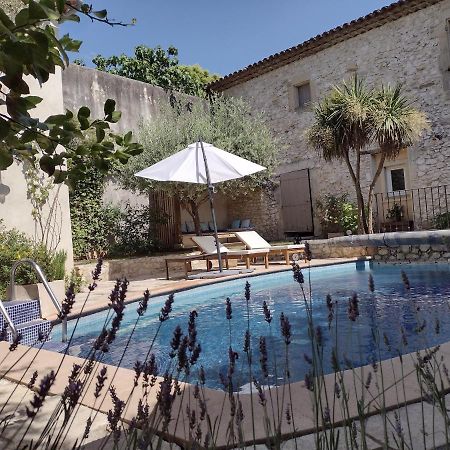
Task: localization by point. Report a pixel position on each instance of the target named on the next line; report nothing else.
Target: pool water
(390, 308)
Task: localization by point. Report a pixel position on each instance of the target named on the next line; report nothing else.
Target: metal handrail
(51, 294)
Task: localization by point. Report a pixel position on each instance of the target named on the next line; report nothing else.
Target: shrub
(134, 232)
(15, 245)
(442, 221)
(336, 214)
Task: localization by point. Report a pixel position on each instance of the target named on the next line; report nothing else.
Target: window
(304, 95)
(396, 182)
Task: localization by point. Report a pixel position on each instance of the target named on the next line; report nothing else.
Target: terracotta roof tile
(327, 39)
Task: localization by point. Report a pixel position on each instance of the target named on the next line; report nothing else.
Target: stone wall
(15, 206)
(261, 207)
(422, 253)
(323, 249)
(413, 50)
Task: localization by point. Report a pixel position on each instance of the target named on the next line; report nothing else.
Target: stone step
(21, 311)
(31, 331)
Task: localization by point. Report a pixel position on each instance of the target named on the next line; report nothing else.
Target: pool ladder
(47, 287)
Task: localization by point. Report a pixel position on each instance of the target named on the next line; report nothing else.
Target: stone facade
(261, 207)
(413, 50)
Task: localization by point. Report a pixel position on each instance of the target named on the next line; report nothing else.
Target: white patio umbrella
(202, 163)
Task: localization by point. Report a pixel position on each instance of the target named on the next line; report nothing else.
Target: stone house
(406, 42)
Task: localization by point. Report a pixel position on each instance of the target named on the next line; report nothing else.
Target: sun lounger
(186, 260)
(207, 245)
(254, 241)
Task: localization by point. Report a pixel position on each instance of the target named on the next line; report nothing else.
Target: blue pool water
(388, 309)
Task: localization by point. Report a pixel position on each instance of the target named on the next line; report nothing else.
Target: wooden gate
(296, 204)
(167, 225)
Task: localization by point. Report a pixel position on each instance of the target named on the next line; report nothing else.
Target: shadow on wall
(4, 190)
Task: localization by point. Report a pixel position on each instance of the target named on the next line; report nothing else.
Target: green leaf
(36, 12)
(127, 138)
(84, 112)
(115, 116)
(47, 165)
(100, 134)
(59, 176)
(4, 128)
(100, 14)
(6, 158)
(110, 106)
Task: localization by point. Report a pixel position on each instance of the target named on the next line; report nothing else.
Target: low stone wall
(131, 268)
(424, 252)
(322, 248)
(431, 245)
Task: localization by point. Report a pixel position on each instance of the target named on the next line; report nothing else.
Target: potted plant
(395, 214)
(336, 215)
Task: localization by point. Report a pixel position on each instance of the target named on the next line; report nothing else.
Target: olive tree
(227, 123)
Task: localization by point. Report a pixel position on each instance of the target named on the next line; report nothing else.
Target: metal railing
(412, 209)
(47, 287)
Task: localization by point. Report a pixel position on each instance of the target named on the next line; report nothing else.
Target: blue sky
(221, 36)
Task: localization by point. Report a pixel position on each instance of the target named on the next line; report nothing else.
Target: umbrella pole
(211, 204)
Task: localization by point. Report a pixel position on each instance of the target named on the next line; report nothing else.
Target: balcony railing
(412, 209)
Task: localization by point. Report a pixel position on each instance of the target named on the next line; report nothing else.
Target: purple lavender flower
(138, 368)
(307, 358)
(261, 394)
(192, 330)
(166, 309)
(297, 273)
(353, 309)
(247, 291)
(308, 253)
(96, 275)
(195, 354)
(263, 356)
(183, 361)
(165, 400)
(176, 340)
(143, 304)
(114, 415)
(285, 328)
(246, 348)
(337, 390)
(228, 310)
(68, 302)
(398, 426)
(267, 313)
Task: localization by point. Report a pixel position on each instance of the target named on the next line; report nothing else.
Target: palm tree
(396, 126)
(353, 117)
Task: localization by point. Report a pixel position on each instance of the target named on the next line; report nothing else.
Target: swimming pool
(388, 309)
